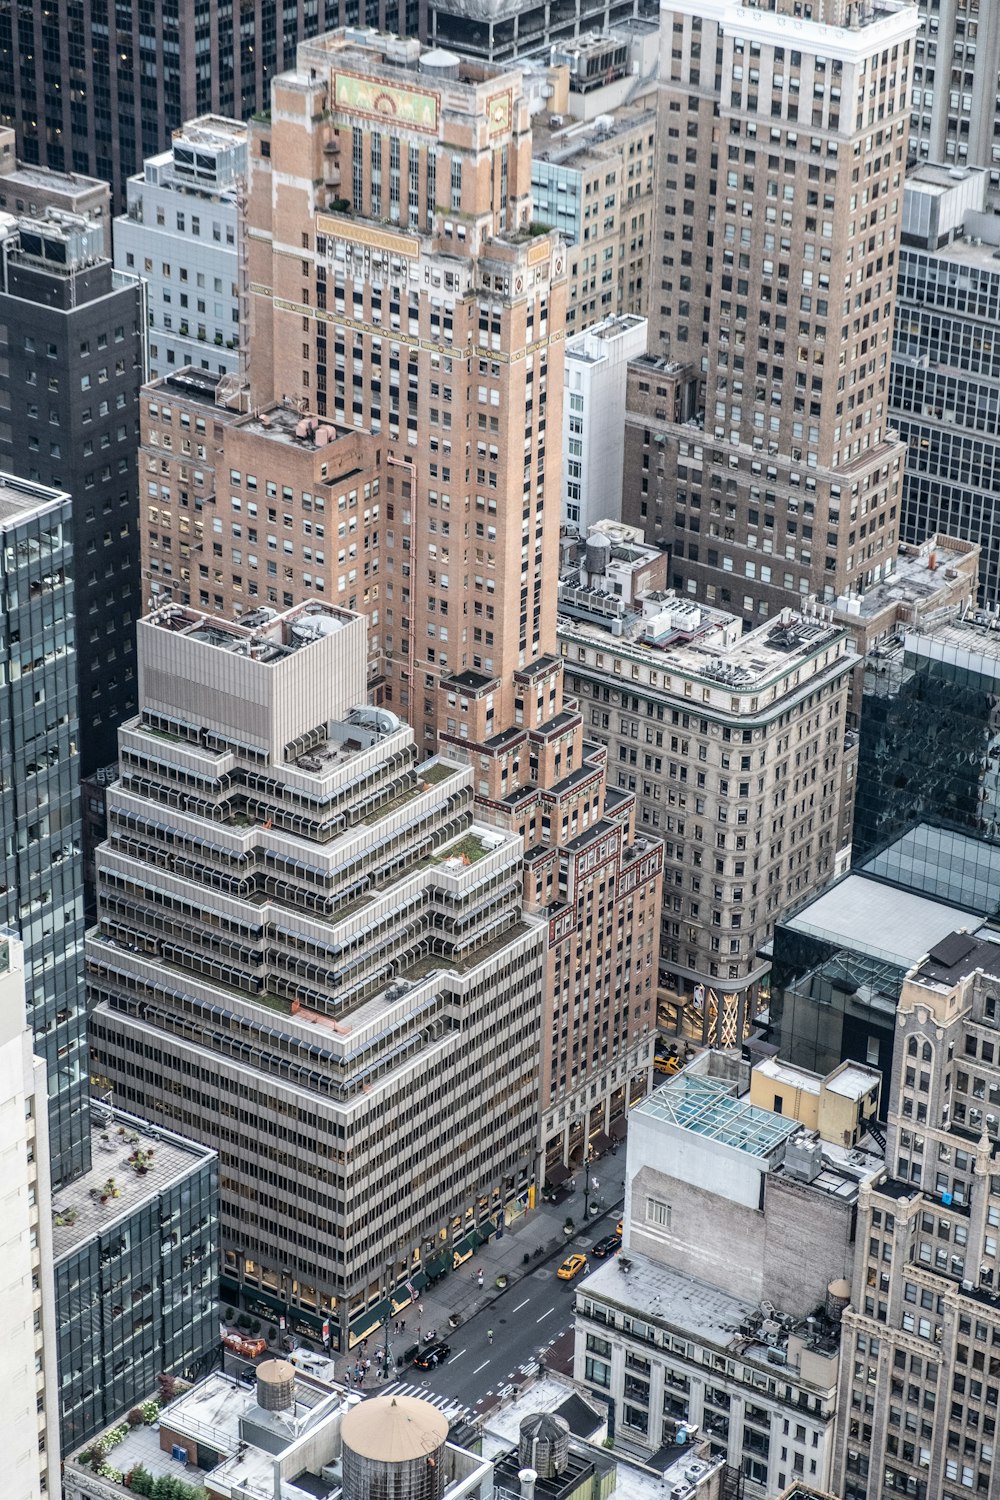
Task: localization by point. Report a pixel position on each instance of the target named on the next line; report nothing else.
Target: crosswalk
(451, 1408)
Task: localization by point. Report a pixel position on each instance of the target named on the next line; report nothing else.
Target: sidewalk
(529, 1240)
(524, 1243)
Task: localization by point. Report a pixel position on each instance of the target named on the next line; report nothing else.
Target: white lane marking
(545, 1314)
(480, 1367)
(522, 1304)
(457, 1356)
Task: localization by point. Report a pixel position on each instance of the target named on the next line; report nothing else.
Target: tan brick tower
(397, 287)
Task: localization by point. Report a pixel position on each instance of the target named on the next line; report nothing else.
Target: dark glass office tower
(96, 86)
(927, 807)
(41, 869)
(73, 332)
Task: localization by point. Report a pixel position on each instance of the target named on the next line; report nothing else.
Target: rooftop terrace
(131, 1161)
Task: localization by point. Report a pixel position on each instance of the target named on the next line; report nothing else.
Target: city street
(525, 1321)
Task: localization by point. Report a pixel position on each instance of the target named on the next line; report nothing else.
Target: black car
(434, 1355)
(607, 1246)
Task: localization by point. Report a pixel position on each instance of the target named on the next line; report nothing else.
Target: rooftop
(853, 1081)
(700, 643)
(561, 145)
(713, 1317)
(262, 634)
(977, 635)
(287, 424)
(709, 1107)
(880, 920)
(955, 956)
(587, 345)
(914, 579)
(20, 498)
(132, 1161)
(191, 384)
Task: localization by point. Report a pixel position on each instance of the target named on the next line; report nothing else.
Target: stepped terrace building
(311, 957)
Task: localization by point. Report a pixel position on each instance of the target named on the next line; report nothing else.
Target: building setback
(442, 331)
(780, 475)
(74, 330)
(41, 874)
(311, 957)
(918, 1396)
(733, 746)
(179, 233)
(29, 1424)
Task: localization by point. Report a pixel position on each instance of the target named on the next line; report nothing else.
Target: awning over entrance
(465, 1247)
(619, 1128)
(438, 1264)
(601, 1142)
(557, 1174)
(484, 1232)
(368, 1322)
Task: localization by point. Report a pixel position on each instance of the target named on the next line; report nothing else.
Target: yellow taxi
(572, 1266)
(619, 1229)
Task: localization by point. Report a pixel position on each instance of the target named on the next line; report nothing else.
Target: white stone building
(594, 418)
(29, 1419)
(180, 234)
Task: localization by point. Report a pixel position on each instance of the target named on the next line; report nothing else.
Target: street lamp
(586, 1184)
(287, 1297)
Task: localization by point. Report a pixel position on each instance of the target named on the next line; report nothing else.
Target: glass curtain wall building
(41, 869)
(927, 807)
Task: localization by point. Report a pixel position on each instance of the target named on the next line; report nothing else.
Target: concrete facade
(285, 866)
(713, 1317)
(403, 291)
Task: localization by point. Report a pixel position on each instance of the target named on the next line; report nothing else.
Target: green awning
(484, 1232)
(368, 1322)
(438, 1263)
(464, 1247)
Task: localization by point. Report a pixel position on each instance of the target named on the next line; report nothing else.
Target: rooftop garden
(468, 849)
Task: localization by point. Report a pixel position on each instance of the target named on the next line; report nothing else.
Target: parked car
(607, 1246)
(434, 1355)
(620, 1228)
(572, 1266)
(668, 1063)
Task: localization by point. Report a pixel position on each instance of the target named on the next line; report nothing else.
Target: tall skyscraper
(74, 336)
(918, 1397)
(399, 286)
(41, 874)
(98, 87)
(310, 956)
(945, 373)
(955, 108)
(28, 1424)
(782, 147)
